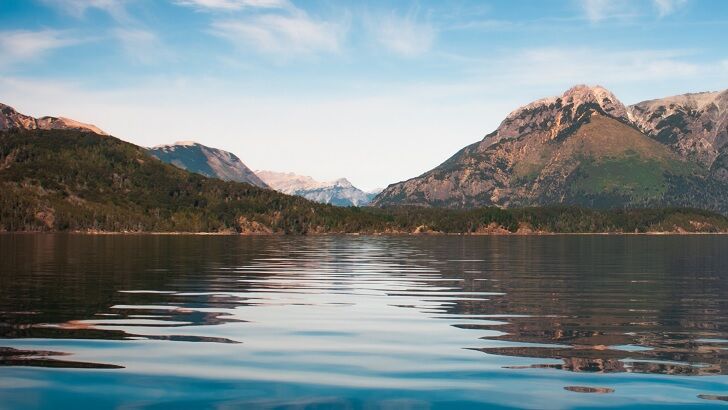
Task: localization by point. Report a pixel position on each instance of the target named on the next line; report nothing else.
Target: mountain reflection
(626, 304)
(35, 358)
(587, 304)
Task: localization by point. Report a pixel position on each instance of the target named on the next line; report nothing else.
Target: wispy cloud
(141, 46)
(665, 7)
(598, 10)
(487, 25)
(566, 66)
(78, 8)
(294, 33)
(407, 35)
(23, 45)
(137, 42)
(233, 4)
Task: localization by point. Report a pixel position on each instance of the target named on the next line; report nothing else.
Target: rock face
(210, 162)
(555, 116)
(339, 192)
(693, 125)
(9, 119)
(585, 148)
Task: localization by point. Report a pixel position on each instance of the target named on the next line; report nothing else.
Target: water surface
(363, 322)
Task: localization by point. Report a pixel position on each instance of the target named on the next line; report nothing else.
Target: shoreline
(358, 234)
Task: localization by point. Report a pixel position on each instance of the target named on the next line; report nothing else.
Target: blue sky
(376, 91)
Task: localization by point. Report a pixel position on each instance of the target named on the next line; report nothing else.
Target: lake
(146, 321)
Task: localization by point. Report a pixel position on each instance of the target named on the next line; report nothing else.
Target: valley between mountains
(578, 162)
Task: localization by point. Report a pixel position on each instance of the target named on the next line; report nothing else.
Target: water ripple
(437, 319)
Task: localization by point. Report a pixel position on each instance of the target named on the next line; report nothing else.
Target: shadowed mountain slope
(210, 162)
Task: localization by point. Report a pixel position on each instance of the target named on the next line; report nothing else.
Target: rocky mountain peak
(693, 101)
(67, 123)
(584, 94)
(343, 183)
(695, 124)
(553, 117)
(175, 145)
(186, 143)
(10, 118)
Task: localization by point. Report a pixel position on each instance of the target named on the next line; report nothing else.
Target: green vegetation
(62, 180)
(638, 178)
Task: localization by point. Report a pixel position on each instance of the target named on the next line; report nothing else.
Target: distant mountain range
(586, 148)
(210, 162)
(339, 192)
(217, 163)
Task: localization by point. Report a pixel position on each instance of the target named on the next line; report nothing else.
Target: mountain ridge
(582, 148)
(11, 118)
(207, 161)
(695, 124)
(572, 104)
(72, 180)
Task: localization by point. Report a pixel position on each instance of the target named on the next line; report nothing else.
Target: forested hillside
(68, 180)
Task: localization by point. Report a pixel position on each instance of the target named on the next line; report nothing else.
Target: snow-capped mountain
(208, 161)
(339, 192)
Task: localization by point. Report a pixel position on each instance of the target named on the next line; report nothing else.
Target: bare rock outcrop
(10, 118)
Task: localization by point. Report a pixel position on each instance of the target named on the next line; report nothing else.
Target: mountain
(340, 192)
(210, 162)
(10, 119)
(73, 180)
(693, 125)
(582, 148)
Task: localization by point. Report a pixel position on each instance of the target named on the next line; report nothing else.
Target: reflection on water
(354, 321)
(583, 389)
(15, 357)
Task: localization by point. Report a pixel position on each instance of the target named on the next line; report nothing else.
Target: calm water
(354, 322)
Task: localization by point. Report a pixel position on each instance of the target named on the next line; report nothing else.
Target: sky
(374, 91)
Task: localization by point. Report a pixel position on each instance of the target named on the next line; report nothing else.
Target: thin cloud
(405, 35)
(666, 7)
(230, 5)
(141, 46)
(488, 25)
(582, 65)
(23, 45)
(599, 10)
(282, 34)
(78, 8)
